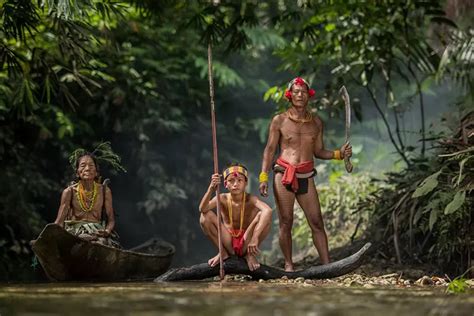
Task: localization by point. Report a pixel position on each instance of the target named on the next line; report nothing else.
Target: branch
(388, 89)
(458, 152)
(397, 130)
(395, 236)
(422, 108)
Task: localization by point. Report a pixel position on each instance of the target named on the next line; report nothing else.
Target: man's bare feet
(215, 260)
(252, 262)
(289, 267)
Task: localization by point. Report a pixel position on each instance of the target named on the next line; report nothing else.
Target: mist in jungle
(139, 80)
(179, 223)
(238, 141)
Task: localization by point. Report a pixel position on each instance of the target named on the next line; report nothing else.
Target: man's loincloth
(238, 242)
(297, 182)
(88, 230)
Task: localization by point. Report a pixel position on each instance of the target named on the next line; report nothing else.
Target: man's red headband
(299, 82)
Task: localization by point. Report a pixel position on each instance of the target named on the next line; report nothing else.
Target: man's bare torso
(298, 140)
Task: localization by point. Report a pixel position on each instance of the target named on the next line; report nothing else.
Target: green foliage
(456, 203)
(73, 73)
(381, 51)
(428, 185)
(457, 60)
(458, 285)
(345, 208)
(224, 74)
(424, 215)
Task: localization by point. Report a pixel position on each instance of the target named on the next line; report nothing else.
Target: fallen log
(235, 265)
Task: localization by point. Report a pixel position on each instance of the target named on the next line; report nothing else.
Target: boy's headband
(235, 169)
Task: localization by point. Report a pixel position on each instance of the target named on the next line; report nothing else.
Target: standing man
(299, 135)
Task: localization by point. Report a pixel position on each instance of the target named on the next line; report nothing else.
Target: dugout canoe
(65, 257)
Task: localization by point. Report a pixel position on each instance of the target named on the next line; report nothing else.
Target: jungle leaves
(427, 185)
(456, 203)
(425, 213)
(450, 202)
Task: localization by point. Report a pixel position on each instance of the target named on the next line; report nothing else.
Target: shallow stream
(229, 298)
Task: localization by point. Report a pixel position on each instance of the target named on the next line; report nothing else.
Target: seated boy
(245, 219)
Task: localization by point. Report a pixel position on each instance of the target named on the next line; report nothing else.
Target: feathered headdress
(103, 154)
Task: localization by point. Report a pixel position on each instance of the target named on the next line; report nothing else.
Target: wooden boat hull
(65, 257)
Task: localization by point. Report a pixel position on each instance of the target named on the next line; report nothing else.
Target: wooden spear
(214, 148)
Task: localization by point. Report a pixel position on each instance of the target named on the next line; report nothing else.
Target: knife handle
(347, 162)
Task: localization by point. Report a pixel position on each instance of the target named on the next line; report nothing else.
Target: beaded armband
(263, 177)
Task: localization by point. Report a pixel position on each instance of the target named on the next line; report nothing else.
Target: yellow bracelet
(263, 177)
(337, 155)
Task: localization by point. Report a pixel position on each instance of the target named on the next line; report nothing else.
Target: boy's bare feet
(252, 262)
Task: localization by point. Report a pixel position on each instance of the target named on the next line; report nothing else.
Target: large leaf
(433, 218)
(417, 216)
(456, 203)
(225, 75)
(433, 205)
(461, 167)
(427, 185)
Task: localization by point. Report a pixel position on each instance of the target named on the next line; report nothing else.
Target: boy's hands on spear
(207, 202)
(215, 181)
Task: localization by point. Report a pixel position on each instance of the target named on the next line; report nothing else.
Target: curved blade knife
(347, 105)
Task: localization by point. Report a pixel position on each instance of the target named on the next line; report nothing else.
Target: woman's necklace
(83, 196)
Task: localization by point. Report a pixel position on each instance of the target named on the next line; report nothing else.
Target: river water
(228, 298)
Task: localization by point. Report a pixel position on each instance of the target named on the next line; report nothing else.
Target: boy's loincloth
(238, 241)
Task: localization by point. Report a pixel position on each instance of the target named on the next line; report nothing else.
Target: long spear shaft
(216, 161)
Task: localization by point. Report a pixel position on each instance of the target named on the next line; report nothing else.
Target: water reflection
(231, 298)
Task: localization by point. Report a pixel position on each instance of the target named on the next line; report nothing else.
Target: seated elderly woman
(83, 202)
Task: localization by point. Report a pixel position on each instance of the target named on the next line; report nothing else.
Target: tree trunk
(235, 265)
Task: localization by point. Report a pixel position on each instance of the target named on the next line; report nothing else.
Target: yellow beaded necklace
(242, 211)
(83, 195)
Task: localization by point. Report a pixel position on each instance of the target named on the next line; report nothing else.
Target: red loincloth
(238, 242)
(289, 176)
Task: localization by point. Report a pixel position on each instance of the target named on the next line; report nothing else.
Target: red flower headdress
(298, 81)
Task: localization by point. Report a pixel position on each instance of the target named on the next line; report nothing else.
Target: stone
(425, 280)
